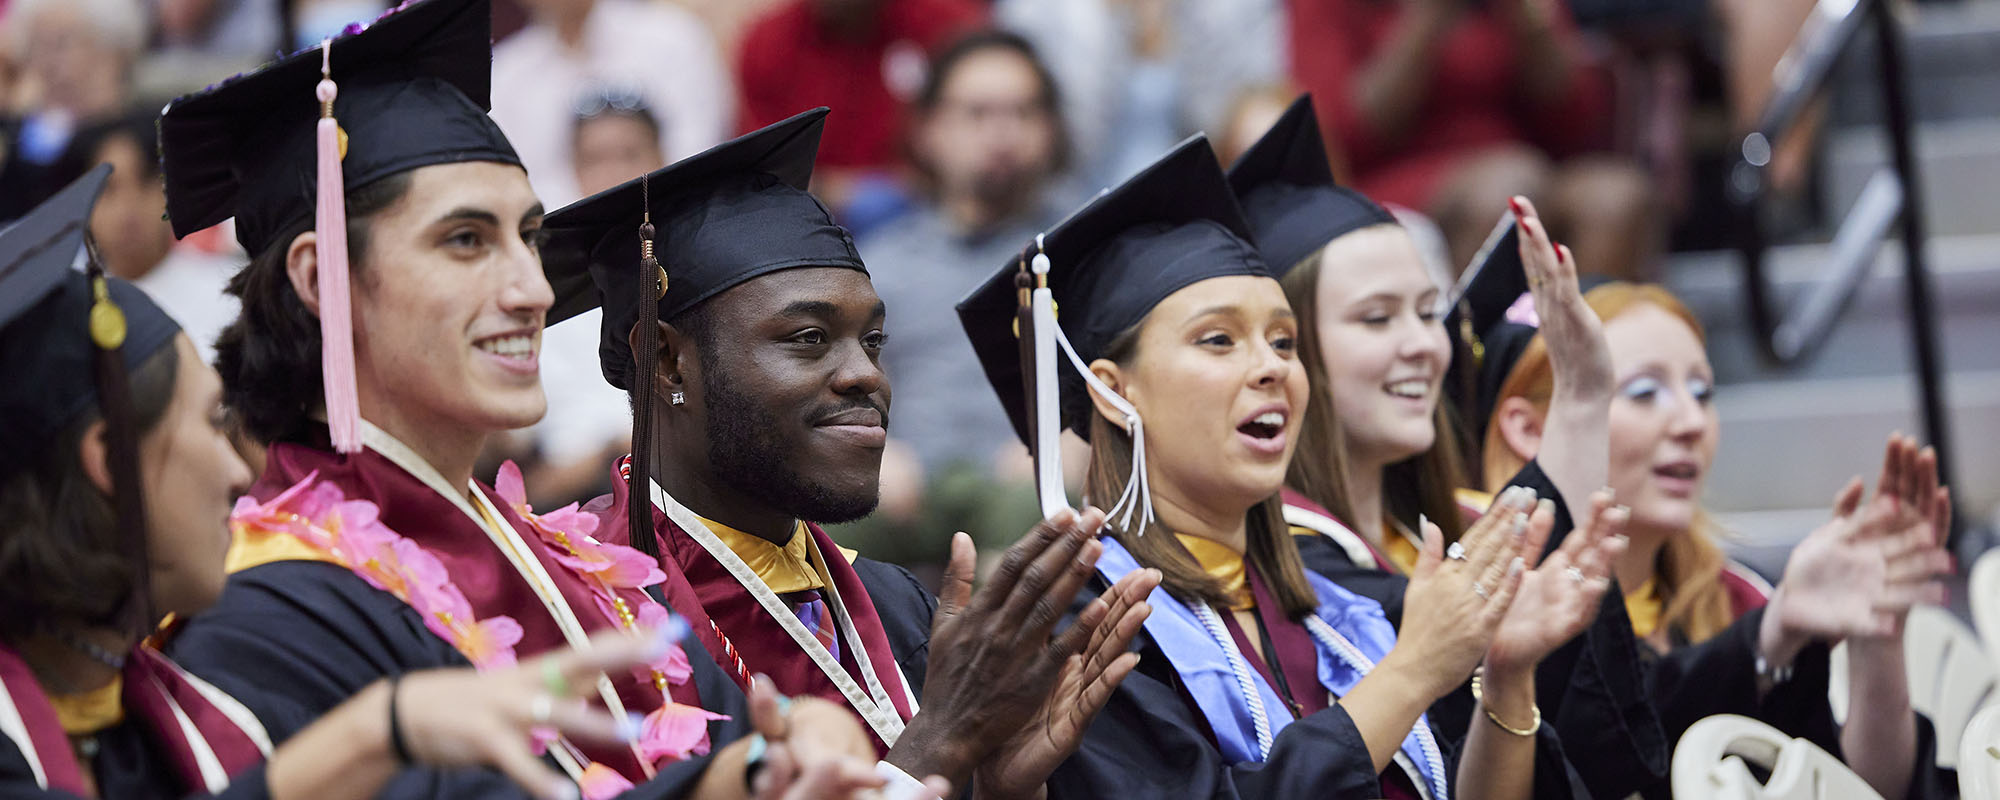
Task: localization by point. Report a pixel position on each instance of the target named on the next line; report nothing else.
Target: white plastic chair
(1983, 592)
(1951, 676)
(1979, 756)
(1712, 760)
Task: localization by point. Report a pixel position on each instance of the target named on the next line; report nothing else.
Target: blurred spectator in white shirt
(660, 50)
(1139, 75)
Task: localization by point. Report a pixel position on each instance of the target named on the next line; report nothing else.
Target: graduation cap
(1288, 195)
(664, 242)
(71, 337)
(272, 146)
(1173, 224)
(1491, 322)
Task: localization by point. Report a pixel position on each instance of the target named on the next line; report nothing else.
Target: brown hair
(268, 357)
(1420, 485)
(1268, 542)
(1688, 574)
(63, 560)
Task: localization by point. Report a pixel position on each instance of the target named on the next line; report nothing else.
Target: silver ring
(1479, 589)
(1575, 575)
(1455, 552)
(541, 709)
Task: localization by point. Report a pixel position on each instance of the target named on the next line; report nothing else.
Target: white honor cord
(1260, 720)
(873, 704)
(510, 544)
(1334, 641)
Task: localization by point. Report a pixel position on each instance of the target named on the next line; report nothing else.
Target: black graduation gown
(906, 609)
(1592, 690)
(1719, 676)
(340, 634)
(1148, 743)
(127, 767)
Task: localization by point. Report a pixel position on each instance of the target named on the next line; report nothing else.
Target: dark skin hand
(1018, 768)
(994, 662)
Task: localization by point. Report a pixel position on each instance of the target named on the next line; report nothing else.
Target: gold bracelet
(1478, 697)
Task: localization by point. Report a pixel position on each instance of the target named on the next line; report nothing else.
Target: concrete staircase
(1792, 435)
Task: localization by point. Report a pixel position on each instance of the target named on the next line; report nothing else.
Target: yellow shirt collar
(91, 711)
(785, 569)
(1222, 564)
(1642, 604)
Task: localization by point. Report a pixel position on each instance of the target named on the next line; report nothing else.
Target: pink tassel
(336, 315)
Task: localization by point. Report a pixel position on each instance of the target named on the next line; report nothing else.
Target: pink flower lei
(351, 533)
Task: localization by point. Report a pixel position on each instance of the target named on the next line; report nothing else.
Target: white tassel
(1138, 496)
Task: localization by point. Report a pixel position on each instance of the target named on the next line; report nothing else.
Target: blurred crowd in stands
(959, 128)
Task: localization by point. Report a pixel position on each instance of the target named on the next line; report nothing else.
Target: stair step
(1958, 162)
(1791, 444)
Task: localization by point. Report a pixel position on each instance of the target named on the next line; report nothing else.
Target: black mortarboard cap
(1288, 194)
(45, 314)
(729, 214)
(1488, 334)
(1173, 224)
(413, 92)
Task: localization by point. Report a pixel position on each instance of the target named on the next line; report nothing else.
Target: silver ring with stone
(1574, 574)
(1455, 552)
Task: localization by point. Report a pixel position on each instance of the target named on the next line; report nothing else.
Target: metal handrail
(1894, 195)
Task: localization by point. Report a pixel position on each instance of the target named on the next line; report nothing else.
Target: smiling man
(746, 329)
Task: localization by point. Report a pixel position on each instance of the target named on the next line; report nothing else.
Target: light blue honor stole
(1349, 632)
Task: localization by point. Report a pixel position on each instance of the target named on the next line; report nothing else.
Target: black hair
(269, 358)
(62, 557)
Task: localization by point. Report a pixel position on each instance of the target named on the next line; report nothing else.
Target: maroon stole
(742, 637)
(214, 743)
(490, 583)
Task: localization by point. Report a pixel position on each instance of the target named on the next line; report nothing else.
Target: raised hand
(1578, 352)
(993, 661)
(1578, 425)
(1457, 596)
(1018, 768)
(1559, 598)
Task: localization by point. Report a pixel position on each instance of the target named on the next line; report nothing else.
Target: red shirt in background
(1471, 103)
(789, 63)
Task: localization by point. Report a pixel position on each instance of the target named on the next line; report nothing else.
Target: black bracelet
(396, 725)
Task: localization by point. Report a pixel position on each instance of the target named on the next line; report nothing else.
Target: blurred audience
(864, 59)
(1450, 107)
(613, 137)
(659, 50)
(228, 28)
(74, 59)
(135, 240)
(987, 140)
(1140, 75)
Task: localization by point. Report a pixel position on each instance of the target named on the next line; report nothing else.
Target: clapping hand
(994, 660)
(815, 750)
(1559, 598)
(1459, 594)
(1859, 574)
(1908, 518)
(1018, 768)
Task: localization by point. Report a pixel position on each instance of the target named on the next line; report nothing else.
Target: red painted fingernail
(1560, 250)
(1515, 203)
